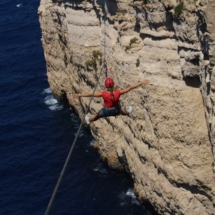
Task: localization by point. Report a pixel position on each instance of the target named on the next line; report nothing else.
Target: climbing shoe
(87, 119)
(130, 109)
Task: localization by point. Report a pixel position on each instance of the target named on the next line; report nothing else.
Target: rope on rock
(78, 132)
(106, 69)
(105, 53)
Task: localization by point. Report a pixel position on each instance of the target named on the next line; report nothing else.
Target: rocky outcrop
(167, 146)
(207, 74)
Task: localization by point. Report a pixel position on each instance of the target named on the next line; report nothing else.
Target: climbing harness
(78, 132)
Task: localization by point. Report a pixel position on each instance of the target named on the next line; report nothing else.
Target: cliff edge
(167, 146)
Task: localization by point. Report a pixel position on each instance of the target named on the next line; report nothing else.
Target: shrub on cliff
(133, 40)
(178, 9)
(97, 54)
(91, 63)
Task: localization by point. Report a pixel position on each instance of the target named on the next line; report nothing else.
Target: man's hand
(145, 81)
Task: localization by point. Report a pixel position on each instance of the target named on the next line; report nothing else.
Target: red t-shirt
(108, 98)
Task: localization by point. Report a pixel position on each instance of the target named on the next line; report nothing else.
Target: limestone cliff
(168, 146)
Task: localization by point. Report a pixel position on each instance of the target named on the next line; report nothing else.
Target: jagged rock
(168, 145)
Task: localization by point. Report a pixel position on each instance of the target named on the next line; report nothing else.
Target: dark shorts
(110, 111)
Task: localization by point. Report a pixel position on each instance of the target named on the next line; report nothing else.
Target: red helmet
(109, 82)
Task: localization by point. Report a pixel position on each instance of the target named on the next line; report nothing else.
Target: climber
(111, 100)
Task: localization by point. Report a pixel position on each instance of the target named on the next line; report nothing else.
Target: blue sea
(37, 132)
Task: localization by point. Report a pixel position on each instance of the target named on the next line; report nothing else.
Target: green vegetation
(91, 63)
(138, 62)
(127, 48)
(96, 57)
(96, 54)
(133, 40)
(178, 9)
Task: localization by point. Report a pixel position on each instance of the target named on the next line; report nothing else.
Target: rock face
(168, 145)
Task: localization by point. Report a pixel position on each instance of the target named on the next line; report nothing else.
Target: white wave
(130, 193)
(19, 5)
(99, 168)
(74, 119)
(129, 196)
(52, 102)
(91, 142)
(56, 107)
(47, 91)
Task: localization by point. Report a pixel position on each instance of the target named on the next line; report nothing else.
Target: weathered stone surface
(168, 145)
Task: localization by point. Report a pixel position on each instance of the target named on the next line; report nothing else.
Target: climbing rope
(106, 69)
(104, 59)
(70, 153)
(78, 132)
